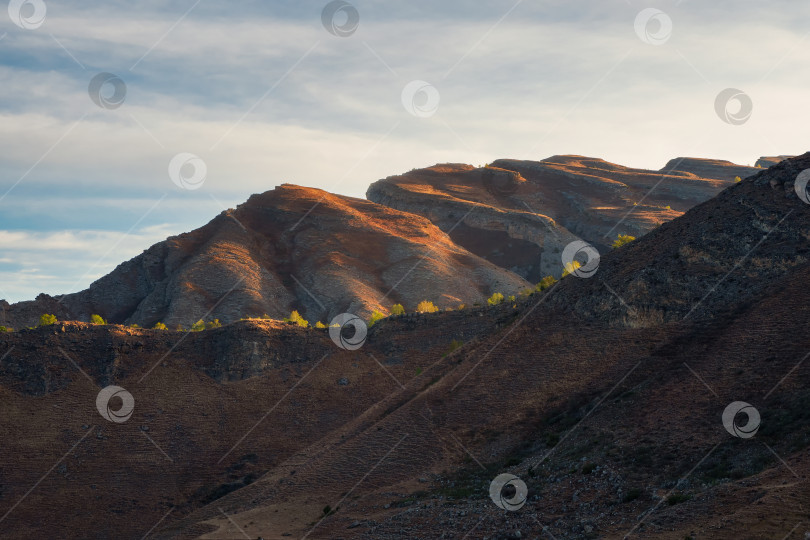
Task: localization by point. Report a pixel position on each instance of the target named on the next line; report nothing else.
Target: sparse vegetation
(198, 326)
(47, 319)
(570, 268)
(296, 318)
(737, 179)
(622, 239)
(454, 346)
(461, 306)
(97, 319)
(134, 325)
(160, 326)
(319, 324)
(375, 316)
(545, 283)
(495, 299)
(397, 309)
(426, 306)
(4, 329)
(213, 324)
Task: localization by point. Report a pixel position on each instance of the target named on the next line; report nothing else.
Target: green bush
(397, 309)
(426, 306)
(97, 319)
(214, 324)
(297, 319)
(134, 325)
(375, 316)
(4, 329)
(495, 299)
(545, 283)
(160, 326)
(198, 326)
(47, 319)
(570, 268)
(622, 239)
(319, 324)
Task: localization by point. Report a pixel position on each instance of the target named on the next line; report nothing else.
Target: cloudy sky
(270, 92)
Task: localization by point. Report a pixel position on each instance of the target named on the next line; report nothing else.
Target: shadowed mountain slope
(605, 423)
(716, 255)
(521, 214)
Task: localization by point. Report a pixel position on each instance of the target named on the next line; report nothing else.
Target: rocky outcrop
(525, 242)
(521, 214)
(768, 161)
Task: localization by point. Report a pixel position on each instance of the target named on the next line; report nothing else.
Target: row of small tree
(424, 306)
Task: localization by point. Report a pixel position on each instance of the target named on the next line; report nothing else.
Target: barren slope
(290, 248)
(629, 418)
(521, 214)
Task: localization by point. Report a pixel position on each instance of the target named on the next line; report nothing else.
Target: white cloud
(66, 261)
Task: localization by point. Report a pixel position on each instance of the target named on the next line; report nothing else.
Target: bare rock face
(521, 214)
(473, 207)
(290, 248)
(768, 161)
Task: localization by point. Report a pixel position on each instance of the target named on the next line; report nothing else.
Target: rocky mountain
(521, 214)
(613, 421)
(451, 234)
(290, 248)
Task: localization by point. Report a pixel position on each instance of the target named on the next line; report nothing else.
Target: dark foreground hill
(612, 420)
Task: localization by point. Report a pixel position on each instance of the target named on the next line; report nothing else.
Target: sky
(122, 123)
